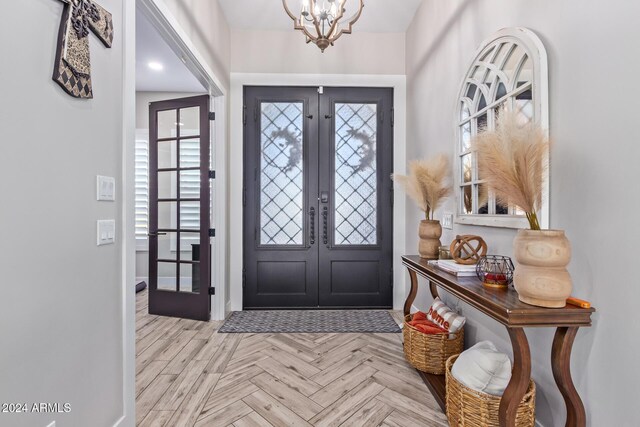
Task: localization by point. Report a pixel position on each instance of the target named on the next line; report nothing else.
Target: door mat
(310, 321)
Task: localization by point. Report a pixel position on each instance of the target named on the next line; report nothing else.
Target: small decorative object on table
(495, 271)
(445, 253)
(463, 251)
(427, 184)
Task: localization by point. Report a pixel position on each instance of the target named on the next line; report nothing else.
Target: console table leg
(519, 378)
(560, 364)
(412, 292)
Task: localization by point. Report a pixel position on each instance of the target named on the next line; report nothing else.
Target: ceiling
(150, 47)
(379, 16)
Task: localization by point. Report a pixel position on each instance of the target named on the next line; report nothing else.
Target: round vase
(429, 244)
(541, 277)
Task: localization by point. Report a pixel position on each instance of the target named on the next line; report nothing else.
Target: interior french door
(317, 197)
(179, 205)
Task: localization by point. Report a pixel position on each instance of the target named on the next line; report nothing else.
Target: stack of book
(451, 267)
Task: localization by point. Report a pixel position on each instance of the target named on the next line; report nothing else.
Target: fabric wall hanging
(72, 69)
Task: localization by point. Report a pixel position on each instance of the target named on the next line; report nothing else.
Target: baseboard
(227, 309)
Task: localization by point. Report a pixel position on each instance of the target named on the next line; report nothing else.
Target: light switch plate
(106, 188)
(447, 220)
(106, 232)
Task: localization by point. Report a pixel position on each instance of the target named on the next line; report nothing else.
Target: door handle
(325, 235)
(156, 234)
(312, 225)
(324, 197)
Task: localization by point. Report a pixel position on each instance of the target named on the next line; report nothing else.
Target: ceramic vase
(541, 277)
(429, 244)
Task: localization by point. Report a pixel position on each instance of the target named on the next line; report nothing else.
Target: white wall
(207, 28)
(63, 309)
(593, 165)
(287, 52)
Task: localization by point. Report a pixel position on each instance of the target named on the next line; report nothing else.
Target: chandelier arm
(286, 8)
(336, 19)
(316, 23)
(349, 26)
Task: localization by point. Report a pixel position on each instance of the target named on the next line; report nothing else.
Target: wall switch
(106, 188)
(106, 232)
(447, 220)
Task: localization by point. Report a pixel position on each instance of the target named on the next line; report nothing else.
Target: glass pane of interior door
(355, 174)
(179, 213)
(189, 273)
(281, 173)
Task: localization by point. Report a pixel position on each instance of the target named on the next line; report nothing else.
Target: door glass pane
(190, 272)
(167, 184)
(189, 121)
(167, 217)
(167, 273)
(167, 154)
(167, 244)
(190, 215)
(189, 277)
(190, 153)
(281, 173)
(190, 184)
(355, 174)
(167, 123)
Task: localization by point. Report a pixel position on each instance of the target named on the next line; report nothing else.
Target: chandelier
(324, 21)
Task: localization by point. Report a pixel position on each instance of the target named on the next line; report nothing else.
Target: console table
(505, 307)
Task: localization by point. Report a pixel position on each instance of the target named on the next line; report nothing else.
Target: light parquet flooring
(189, 375)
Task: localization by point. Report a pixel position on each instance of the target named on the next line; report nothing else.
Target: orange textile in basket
(418, 315)
(427, 327)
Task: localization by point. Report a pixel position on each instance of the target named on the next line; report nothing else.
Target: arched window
(509, 70)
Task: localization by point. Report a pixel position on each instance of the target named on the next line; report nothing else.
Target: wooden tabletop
(502, 305)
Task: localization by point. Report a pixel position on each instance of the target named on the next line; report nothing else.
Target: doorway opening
(173, 159)
(317, 197)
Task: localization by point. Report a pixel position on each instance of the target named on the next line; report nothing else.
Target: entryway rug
(310, 321)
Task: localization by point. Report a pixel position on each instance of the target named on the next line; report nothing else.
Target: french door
(179, 205)
(317, 197)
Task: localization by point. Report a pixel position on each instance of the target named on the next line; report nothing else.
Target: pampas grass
(513, 161)
(427, 183)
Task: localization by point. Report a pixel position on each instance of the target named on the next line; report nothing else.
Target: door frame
(163, 20)
(236, 161)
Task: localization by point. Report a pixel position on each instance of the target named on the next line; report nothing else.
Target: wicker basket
(470, 408)
(429, 352)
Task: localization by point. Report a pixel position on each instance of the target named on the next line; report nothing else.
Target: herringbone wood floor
(187, 374)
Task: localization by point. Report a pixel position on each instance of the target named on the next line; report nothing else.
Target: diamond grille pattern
(281, 177)
(355, 175)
